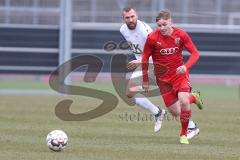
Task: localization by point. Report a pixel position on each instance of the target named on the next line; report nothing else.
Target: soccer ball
(57, 140)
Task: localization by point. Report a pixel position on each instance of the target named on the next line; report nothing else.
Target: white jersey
(136, 37)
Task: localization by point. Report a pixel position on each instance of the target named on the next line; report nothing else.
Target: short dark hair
(128, 8)
(164, 14)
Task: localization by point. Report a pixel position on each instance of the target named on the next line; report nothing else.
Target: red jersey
(167, 51)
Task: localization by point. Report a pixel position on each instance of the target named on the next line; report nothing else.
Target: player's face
(165, 26)
(130, 18)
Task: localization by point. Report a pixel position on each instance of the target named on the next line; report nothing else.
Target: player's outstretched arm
(192, 49)
(147, 51)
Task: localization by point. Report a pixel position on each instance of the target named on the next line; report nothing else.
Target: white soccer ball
(57, 140)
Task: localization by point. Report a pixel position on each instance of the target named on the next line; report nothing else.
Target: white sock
(146, 104)
(191, 124)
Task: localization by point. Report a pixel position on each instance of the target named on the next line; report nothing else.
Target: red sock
(192, 99)
(184, 117)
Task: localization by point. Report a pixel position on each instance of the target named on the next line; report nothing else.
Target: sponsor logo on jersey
(167, 51)
(135, 48)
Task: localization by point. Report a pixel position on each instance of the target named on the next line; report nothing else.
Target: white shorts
(138, 72)
(136, 77)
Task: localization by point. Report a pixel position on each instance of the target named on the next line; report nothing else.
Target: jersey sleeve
(121, 30)
(147, 51)
(192, 49)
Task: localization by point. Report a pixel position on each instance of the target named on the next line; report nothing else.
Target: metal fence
(224, 12)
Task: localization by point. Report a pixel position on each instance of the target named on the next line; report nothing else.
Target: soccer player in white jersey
(136, 32)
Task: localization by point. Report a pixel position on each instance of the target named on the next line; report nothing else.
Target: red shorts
(170, 87)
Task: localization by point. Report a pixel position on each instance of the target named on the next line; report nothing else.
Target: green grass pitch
(126, 133)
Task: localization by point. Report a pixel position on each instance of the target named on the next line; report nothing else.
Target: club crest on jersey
(177, 40)
(159, 43)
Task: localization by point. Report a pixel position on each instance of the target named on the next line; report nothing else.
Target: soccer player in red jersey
(165, 45)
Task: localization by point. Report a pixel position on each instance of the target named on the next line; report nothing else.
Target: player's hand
(145, 86)
(133, 64)
(181, 70)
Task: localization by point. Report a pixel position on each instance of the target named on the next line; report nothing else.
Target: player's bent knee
(130, 94)
(184, 102)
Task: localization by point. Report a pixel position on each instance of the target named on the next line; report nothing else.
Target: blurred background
(36, 36)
